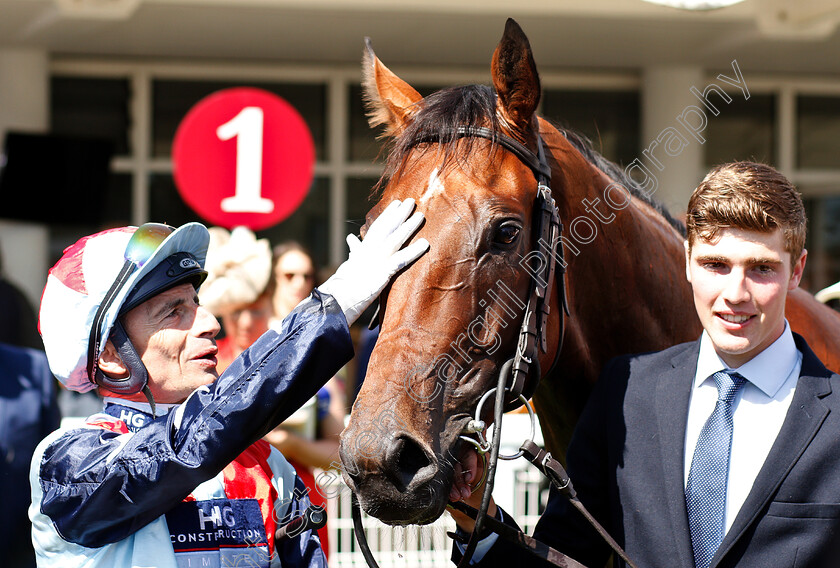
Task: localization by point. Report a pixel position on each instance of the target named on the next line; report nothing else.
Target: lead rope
(554, 471)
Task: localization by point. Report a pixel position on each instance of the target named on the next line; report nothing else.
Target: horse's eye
(506, 234)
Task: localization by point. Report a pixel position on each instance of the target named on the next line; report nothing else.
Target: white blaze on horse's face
(434, 189)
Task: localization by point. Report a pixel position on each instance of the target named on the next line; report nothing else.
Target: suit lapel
(804, 419)
(673, 390)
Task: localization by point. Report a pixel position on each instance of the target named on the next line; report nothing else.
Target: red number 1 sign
(243, 156)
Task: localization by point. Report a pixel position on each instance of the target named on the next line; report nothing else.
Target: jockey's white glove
(372, 262)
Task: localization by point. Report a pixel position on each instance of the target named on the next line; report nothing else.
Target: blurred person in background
(19, 327)
(294, 274)
(294, 278)
(18, 324)
(28, 412)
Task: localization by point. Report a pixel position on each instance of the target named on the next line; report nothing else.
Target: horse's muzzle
(399, 483)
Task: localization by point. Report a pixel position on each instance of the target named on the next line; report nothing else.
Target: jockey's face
(175, 338)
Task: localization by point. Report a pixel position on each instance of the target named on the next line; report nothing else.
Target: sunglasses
(304, 275)
(140, 248)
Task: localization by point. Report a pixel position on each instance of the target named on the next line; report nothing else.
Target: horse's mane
(441, 113)
(437, 121)
(618, 174)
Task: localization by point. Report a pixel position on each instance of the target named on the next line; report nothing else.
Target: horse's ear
(515, 76)
(390, 101)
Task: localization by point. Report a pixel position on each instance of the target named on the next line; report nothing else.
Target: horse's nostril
(412, 458)
(406, 462)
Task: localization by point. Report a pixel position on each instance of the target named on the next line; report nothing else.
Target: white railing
(519, 490)
(393, 547)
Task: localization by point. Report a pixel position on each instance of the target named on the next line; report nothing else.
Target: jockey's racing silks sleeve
(100, 486)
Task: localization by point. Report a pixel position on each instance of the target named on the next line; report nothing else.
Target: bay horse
(450, 321)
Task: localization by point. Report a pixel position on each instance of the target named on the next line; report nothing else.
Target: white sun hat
(828, 294)
(238, 270)
(85, 279)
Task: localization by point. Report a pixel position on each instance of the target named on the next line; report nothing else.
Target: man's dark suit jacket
(626, 461)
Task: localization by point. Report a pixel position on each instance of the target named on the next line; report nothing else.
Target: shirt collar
(768, 370)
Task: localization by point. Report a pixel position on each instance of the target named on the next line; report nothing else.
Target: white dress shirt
(758, 411)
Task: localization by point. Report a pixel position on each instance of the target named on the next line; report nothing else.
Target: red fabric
(117, 426)
(316, 498)
(249, 477)
(69, 271)
(225, 355)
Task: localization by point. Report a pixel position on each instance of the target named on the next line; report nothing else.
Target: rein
(519, 375)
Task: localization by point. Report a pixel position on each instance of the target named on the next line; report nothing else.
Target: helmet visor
(140, 248)
(145, 241)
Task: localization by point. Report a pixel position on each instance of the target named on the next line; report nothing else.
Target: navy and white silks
(196, 486)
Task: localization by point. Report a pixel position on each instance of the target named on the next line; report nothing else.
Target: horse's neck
(626, 273)
(602, 219)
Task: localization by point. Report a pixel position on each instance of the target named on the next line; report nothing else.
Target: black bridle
(520, 375)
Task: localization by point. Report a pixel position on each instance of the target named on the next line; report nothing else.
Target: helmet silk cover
(77, 285)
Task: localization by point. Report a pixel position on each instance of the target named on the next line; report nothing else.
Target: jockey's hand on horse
(373, 261)
(467, 486)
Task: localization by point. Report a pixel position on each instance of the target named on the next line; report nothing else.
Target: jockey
(173, 472)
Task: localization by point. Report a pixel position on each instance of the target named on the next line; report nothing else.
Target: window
(818, 132)
(359, 201)
(115, 211)
(309, 224)
(91, 107)
(823, 243)
(744, 130)
(146, 102)
(363, 145)
(171, 100)
(610, 119)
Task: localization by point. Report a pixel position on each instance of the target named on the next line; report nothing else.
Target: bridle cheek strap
(547, 252)
(525, 373)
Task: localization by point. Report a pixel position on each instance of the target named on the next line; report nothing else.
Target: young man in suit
(722, 452)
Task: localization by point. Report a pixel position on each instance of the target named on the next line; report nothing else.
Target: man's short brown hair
(750, 197)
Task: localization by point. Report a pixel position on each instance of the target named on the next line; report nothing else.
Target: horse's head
(451, 320)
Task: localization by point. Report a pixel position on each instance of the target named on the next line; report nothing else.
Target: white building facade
(627, 73)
